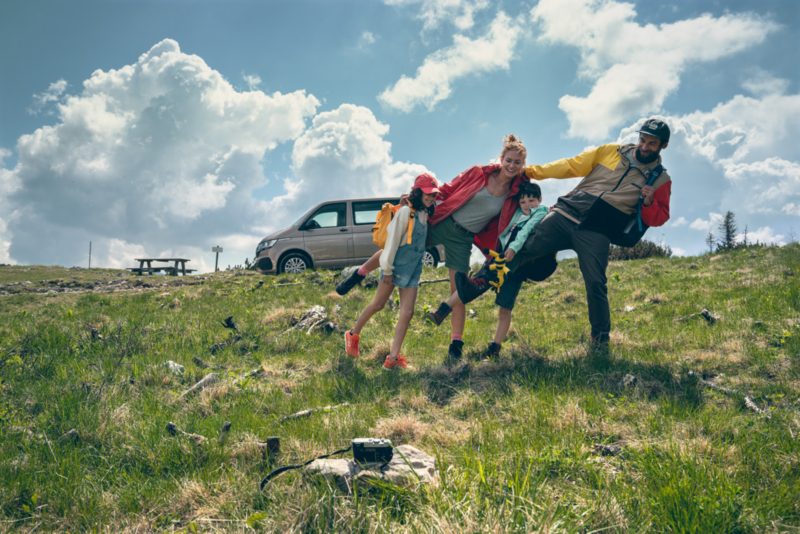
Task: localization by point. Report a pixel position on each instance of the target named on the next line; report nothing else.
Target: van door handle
(343, 229)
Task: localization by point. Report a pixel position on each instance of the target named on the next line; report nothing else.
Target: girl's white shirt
(397, 235)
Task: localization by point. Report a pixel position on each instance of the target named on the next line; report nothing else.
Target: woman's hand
(404, 199)
(388, 279)
(509, 254)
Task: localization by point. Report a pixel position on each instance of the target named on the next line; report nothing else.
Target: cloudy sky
(167, 127)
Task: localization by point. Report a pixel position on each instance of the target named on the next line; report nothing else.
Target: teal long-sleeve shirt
(529, 221)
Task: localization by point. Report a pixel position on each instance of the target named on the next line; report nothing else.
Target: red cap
(427, 183)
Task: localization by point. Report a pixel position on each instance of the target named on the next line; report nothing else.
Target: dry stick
(747, 400)
(434, 281)
(309, 411)
(175, 430)
(705, 314)
(205, 382)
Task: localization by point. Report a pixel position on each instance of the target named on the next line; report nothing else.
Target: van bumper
(265, 265)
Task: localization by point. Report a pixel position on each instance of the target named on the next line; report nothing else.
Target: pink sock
(456, 337)
(362, 271)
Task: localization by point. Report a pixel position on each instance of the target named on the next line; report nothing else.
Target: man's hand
(388, 279)
(509, 254)
(647, 192)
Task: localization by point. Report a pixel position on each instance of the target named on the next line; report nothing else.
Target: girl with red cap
(475, 207)
(401, 267)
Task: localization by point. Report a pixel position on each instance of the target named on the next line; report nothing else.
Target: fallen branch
(175, 430)
(705, 314)
(309, 411)
(747, 400)
(434, 281)
(204, 383)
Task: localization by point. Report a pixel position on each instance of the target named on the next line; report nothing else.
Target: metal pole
(216, 263)
(90, 254)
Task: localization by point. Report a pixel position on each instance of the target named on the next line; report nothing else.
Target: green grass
(517, 440)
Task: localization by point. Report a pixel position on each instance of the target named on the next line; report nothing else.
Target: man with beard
(586, 218)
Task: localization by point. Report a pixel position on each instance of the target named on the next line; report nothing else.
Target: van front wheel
(293, 263)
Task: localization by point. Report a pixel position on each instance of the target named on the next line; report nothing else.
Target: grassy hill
(546, 438)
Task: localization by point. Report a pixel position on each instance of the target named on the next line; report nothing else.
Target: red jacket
(463, 187)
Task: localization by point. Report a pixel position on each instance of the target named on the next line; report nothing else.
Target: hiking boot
(399, 363)
(351, 343)
(456, 349)
(493, 351)
(346, 285)
(471, 288)
(599, 344)
(441, 313)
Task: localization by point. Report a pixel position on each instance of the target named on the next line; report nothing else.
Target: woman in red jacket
(473, 208)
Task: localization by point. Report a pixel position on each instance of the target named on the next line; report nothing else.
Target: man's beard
(649, 159)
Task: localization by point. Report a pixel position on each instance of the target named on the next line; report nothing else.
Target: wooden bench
(146, 266)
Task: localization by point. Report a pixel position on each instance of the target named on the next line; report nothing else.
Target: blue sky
(156, 128)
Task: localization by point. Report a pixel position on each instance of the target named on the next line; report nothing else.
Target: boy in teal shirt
(528, 214)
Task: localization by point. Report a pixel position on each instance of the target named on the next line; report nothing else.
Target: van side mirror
(310, 225)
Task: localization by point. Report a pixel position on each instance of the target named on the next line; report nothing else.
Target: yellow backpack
(382, 220)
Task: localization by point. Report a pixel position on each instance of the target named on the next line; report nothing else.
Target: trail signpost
(216, 261)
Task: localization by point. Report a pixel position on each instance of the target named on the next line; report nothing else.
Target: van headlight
(265, 245)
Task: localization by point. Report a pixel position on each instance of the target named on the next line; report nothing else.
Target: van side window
(366, 212)
(328, 216)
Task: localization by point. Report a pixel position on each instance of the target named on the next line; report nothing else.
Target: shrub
(643, 249)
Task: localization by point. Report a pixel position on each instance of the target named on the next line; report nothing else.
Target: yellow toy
(499, 265)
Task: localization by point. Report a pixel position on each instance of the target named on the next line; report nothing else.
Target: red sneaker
(399, 363)
(351, 344)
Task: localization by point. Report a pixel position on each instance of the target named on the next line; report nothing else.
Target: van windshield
(303, 216)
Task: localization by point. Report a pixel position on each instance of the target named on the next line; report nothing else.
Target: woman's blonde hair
(512, 143)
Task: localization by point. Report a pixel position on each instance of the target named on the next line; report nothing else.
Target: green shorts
(457, 244)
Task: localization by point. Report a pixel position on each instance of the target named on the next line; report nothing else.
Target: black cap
(656, 128)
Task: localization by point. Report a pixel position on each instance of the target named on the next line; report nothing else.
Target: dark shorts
(457, 244)
(509, 291)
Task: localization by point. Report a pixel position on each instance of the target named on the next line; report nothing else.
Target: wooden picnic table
(179, 266)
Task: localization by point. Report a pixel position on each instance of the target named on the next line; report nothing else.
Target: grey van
(331, 235)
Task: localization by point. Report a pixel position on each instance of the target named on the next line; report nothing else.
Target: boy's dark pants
(555, 233)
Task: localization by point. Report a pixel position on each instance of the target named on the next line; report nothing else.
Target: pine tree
(710, 240)
(728, 230)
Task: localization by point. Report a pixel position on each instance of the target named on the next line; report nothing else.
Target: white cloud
(713, 222)
(635, 67)
(52, 94)
(791, 209)
(771, 186)
(432, 84)
(367, 38)
(342, 155)
(762, 83)
(680, 221)
(252, 81)
(764, 235)
(433, 12)
(677, 251)
(159, 156)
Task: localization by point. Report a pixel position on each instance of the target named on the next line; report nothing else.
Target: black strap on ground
(290, 467)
